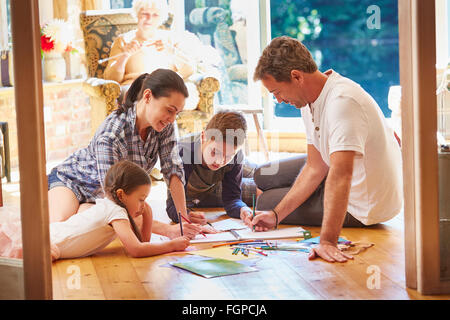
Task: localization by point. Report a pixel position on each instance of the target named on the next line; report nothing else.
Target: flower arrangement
(56, 36)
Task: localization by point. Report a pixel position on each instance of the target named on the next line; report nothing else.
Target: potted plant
(56, 39)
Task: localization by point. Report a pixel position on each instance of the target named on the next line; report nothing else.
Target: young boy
(212, 158)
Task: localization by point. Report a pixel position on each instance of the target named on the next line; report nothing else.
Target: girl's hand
(147, 211)
(197, 217)
(180, 243)
(190, 230)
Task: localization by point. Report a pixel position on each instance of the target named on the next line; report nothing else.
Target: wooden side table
(259, 132)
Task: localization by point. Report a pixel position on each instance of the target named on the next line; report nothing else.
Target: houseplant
(56, 39)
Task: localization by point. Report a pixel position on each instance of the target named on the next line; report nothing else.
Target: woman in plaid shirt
(139, 131)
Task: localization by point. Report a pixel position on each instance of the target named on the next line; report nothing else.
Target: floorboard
(111, 274)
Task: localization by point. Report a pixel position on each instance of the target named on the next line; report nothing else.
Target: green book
(211, 268)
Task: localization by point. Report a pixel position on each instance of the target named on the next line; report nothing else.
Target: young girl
(126, 186)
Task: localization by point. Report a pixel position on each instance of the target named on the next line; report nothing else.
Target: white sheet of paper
(247, 233)
(214, 237)
(229, 224)
(290, 232)
(244, 234)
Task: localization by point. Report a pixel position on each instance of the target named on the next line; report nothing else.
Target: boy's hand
(197, 217)
(180, 243)
(246, 212)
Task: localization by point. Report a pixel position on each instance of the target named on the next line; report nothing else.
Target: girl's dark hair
(162, 82)
(127, 176)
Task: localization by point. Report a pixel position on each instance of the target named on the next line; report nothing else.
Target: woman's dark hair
(127, 176)
(162, 82)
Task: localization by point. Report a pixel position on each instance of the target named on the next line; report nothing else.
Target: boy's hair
(127, 176)
(229, 125)
(281, 56)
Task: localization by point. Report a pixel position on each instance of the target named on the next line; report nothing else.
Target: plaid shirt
(117, 139)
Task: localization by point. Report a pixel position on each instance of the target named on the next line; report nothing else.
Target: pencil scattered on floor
(245, 250)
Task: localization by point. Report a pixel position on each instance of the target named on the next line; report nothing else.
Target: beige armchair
(100, 29)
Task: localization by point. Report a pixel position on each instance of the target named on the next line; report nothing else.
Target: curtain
(91, 5)
(60, 9)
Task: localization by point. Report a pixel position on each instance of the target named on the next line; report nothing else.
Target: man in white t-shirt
(353, 163)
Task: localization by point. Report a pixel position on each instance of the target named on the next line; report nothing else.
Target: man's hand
(263, 220)
(329, 252)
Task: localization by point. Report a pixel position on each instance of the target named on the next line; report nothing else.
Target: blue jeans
(53, 180)
(276, 186)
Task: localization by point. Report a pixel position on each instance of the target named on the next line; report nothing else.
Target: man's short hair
(281, 56)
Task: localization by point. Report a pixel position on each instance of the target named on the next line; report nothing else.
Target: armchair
(100, 29)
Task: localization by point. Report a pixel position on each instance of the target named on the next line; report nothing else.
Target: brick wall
(67, 119)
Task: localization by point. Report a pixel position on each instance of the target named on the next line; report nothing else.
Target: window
(356, 38)
(118, 4)
(223, 25)
(5, 24)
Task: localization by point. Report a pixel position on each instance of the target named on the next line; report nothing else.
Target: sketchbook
(211, 268)
(229, 224)
(247, 234)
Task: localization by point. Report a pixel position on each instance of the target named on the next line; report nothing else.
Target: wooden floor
(111, 274)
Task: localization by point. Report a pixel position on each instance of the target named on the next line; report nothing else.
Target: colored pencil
(252, 249)
(234, 233)
(181, 224)
(253, 210)
(254, 243)
(230, 243)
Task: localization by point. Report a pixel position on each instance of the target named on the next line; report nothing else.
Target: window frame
(4, 36)
(258, 25)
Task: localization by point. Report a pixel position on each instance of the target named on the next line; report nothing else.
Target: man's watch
(276, 218)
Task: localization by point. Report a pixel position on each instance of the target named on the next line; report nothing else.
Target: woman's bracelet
(276, 218)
